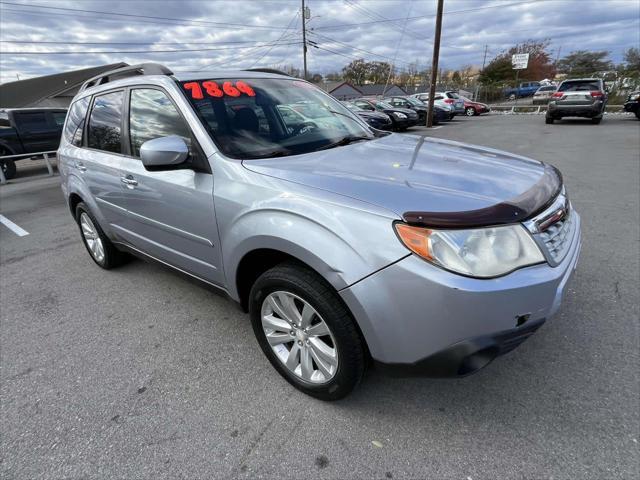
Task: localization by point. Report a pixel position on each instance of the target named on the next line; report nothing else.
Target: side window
(30, 122)
(153, 115)
(58, 118)
(74, 127)
(105, 131)
(4, 120)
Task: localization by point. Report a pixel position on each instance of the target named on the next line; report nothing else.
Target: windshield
(353, 107)
(384, 105)
(272, 117)
(414, 101)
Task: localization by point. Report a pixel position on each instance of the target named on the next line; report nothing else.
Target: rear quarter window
(74, 127)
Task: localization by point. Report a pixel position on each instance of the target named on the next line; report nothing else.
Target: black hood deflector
(518, 209)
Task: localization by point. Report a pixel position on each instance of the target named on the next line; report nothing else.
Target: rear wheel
(100, 248)
(306, 332)
(469, 111)
(8, 167)
(512, 97)
(596, 121)
(638, 114)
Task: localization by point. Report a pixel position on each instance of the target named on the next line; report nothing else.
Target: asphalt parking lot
(139, 372)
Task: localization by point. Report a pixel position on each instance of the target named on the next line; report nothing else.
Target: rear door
(36, 131)
(170, 213)
(99, 163)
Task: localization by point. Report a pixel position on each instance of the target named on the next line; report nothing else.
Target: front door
(170, 213)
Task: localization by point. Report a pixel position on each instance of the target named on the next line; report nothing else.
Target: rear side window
(153, 115)
(74, 127)
(4, 120)
(30, 122)
(105, 123)
(58, 118)
(579, 86)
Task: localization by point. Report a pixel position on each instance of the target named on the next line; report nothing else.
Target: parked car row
(405, 111)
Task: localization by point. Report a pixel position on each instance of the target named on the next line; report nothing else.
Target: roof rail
(267, 70)
(131, 70)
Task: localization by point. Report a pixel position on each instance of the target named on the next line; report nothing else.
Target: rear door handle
(129, 181)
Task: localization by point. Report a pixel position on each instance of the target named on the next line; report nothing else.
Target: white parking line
(436, 128)
(21, 232)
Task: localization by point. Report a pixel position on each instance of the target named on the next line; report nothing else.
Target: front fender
(341, 254)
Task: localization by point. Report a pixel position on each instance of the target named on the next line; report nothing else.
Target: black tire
(8, 168)
(638, 114)
(313, 289)
(112, 256)
(596, 121)
(548, 120)
(470, 112)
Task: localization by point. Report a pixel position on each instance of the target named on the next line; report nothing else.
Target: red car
(472, 108)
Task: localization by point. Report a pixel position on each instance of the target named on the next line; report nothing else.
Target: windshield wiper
(273, 154)
(344, 141)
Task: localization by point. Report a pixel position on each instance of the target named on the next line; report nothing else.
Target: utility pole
(304, 38)
(434, 65)
(484, 60)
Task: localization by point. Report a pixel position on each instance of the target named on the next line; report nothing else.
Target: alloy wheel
(299, 337)
(470, 112)
(92, 238)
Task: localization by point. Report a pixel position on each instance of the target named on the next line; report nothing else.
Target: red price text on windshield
(213, 89)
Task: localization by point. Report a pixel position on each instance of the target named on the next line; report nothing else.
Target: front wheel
(638, 114)
(470, 111)
(548, 120)
(596, 121)
(306, 331)
(512, 97)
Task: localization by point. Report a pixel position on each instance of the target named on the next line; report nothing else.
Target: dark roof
(29, 92)
(331, 86)
(377, 89)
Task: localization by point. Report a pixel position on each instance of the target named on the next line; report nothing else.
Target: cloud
(244, 33)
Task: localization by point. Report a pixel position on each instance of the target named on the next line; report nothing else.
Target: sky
(42, 37)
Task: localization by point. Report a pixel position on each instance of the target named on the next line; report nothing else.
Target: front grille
(557, 237)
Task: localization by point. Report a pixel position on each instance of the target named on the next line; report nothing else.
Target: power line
(132, 15)
(418, 17)
(85, 52)
(293, 19)
(51, 42)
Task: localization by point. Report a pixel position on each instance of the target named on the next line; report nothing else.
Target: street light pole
(434, 65)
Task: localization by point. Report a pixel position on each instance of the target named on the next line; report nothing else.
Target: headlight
(634, 97)
(399, 115)
(480, 252)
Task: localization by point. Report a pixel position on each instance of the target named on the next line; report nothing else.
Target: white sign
(519, 61)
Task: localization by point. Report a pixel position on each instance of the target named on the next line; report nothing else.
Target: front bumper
(416, 316)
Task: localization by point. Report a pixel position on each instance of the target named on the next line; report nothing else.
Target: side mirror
(164, 152)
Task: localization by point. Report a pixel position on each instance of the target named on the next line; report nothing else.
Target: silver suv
(585, 97)
(344, 244)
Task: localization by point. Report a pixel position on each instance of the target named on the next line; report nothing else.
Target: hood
(426, 181)
(406, 111)
(379, 115)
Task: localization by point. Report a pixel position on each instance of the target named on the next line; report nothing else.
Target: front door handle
(80, 166)
(129, 181)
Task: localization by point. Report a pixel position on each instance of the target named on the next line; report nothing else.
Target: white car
(543, 94)
(439, 100)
